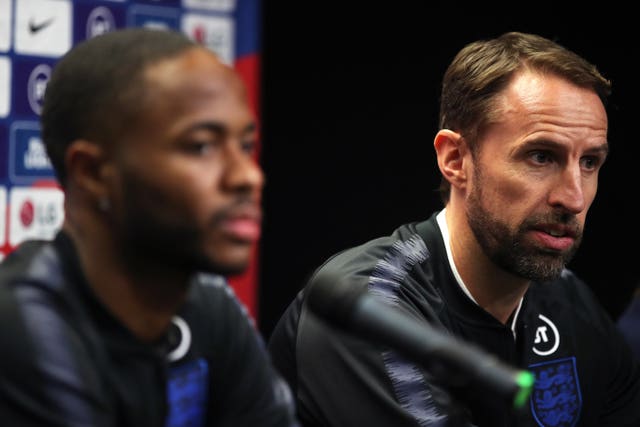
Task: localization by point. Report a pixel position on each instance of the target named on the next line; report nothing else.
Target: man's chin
(226, 267)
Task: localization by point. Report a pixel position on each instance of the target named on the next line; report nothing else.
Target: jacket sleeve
(339, 379)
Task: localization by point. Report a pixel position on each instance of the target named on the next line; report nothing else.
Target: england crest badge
(556, 400)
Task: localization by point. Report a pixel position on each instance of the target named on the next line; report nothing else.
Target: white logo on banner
(159, 18)
(5, 86)
(5, 25)
(100, 21)
(35, 213)
(214, 32)
(36, 86)
(3, 216)
(43, 27)
(219, 5)
(36, 155)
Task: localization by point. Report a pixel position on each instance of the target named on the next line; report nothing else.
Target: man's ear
(450, 151)
(86, 162)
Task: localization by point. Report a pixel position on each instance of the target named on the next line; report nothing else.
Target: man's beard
(157, 236)
(148, 240)
(510, 250)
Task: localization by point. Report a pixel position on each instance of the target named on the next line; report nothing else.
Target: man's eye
(248, 146)
(200, 148)
(541, 157)
(591, 162)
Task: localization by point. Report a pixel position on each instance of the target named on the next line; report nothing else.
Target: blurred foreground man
(125, 319)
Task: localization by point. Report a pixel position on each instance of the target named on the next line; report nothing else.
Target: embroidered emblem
(556, 400)
(187, 394)
(547, 338)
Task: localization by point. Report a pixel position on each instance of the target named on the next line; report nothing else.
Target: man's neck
(496, 291)
(144, 299)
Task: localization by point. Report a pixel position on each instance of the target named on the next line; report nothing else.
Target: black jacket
(66, 361)
(585, 373)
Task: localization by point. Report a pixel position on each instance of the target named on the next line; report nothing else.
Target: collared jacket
(585, 374)
(65, 360)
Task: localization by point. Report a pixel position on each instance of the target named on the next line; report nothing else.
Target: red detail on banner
(6, 248)
(246, 284)
(248, 67)
(46, 183)
(27, 211)
(24, 213)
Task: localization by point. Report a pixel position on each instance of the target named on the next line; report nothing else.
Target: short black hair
(96, 89)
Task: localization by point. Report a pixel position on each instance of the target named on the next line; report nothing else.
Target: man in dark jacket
(125, 318)
(523, 135)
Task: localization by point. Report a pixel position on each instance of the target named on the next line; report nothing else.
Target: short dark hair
(96, 89)
(482, 70)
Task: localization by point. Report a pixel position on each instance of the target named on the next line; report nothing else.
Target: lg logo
(43, 215)
(34, 213)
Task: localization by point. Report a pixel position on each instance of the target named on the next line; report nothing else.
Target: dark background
(349, 112)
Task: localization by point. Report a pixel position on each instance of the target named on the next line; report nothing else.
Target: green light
(525, 380)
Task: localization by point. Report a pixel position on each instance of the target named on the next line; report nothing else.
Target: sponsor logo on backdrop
(218, 5)
(43, 27)
(29, 78)
(28, 160)
(36, 86)
(100, 21)
(214, 32)
(154, 17)
(5, 25)
(35, 26)
(91, 19)
(35, 213)
(5, 86)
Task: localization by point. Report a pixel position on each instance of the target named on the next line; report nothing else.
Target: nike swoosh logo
(35, 27)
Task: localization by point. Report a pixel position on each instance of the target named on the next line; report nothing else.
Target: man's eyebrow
(217, 127)
(599, 149)
(602, 148)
